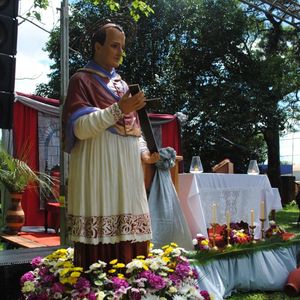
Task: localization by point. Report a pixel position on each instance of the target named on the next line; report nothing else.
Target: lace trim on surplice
(101, 227)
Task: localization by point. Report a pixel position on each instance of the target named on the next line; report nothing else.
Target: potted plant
(16, 175)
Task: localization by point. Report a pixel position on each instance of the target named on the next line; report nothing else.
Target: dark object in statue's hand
(145, 122)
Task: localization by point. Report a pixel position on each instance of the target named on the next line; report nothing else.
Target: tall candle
(228, 219)
(262, 209)
(252, 217)
(214, 213)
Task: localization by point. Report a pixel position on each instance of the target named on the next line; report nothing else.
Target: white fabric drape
(260, 271)
(39, 106)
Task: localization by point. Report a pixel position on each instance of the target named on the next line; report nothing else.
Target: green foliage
(16, 175)
(230, 71)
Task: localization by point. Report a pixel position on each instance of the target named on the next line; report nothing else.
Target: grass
(287, 219)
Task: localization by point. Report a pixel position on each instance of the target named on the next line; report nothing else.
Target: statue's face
(109, 55)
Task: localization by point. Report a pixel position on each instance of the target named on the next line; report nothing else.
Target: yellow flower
(166, 259)
(111, 271)
(113, 262)
(63, 272)
(119, 265)
(121, 276)
(79, 269)
(140, 257)
(145, 267)
(68, 264)
(204, 242)
(72, 280)
(75, 274)
(168, 250)
(174, 245)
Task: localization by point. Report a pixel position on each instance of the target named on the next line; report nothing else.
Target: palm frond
(16, 175)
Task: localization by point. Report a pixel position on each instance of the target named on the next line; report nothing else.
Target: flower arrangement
(201, 243)
(239, 233)
(274, 230)
(164, 274)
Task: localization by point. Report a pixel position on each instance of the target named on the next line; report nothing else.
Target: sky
(32, 63)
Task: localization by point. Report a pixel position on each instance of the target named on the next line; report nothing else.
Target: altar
(237, 194)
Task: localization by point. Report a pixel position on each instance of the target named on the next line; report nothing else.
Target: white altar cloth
(260, 271)
(236, 193)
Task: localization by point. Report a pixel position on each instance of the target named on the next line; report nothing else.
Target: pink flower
(57, 288)
(155, 281)
(36, 262)
(118, 283)
(82, 284)
(27, 277)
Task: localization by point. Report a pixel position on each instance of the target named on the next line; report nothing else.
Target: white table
(236, 193)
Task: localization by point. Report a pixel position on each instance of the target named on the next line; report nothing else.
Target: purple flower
(91, 296)
(155, 281)
(57, 288)
(43, 271)
(36, 262)
(48, 278)
(38, 297)
(205, 295)
(183, 269)
(118, 283)
(82, 284)
(175, 278)
(27, 277)
(195, 274)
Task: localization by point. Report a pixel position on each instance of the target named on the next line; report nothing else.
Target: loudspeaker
(6, 110)
(9, 8)
(7, 73)
(8, 35)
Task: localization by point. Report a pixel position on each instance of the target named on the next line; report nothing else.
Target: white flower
(157, 251)
(96, 266)
(100, 295)
(135, 264)
(272, 223)
(176, 252)
(177, 297)
(154, 266)
(172, 290)
(28, 287)
(200, 235)
(195, 242)
(150, 297)
(57, 295)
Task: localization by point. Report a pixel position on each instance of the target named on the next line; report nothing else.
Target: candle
(214, 213)
(252, 217)
(228, 219)
(262, 209)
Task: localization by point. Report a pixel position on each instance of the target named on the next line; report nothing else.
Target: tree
(136, 8)
(210, 60)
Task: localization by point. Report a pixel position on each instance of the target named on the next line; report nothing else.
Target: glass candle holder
(253, 168)
(196, 165)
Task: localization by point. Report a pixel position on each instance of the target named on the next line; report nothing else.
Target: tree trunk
(271, 136)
